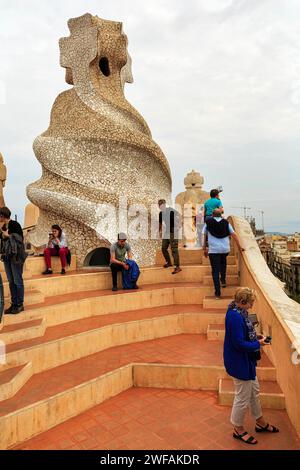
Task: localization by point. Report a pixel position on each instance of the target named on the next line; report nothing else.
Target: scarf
(252, 336)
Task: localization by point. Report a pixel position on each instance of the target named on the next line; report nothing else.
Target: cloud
(217, 81)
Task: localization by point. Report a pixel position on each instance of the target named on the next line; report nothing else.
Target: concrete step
(231, 260)
(231, 280)
(32, 297)
(23, 331)
(216, 332)
(271, 395)
(55, 395)
(188, 377)
(232, 269)
(12, 379)
(74, 306)
(26, 274)
(86, 280)
(211, 302)
(186, 256)
(36, 264)
(69, 341)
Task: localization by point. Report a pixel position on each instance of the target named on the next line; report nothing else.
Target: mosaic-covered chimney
(97, 148)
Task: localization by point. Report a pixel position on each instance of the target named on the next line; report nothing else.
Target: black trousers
(115, 268)
(218, 264)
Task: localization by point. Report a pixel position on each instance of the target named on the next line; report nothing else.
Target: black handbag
(255, 355)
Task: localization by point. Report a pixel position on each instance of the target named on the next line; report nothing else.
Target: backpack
(131, 276)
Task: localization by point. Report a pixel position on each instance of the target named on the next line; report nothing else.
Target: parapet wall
(279, 316)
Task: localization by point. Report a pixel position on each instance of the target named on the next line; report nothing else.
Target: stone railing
(279, 316)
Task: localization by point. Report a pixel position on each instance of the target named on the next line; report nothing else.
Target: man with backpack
(13, 254)
(217, 232)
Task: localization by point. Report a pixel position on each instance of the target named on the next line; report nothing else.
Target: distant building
(294, 285)
(293, 243)
(282, 254)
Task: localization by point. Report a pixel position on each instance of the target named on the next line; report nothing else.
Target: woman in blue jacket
(241, 351)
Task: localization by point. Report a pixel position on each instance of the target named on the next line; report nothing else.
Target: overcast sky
(218, 82)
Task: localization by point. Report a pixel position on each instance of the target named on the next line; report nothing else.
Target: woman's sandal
(267, 428)
(251, 440)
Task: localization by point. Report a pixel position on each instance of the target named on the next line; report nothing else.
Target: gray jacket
(14, 249)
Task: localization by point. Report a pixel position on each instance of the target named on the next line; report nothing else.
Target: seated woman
(57, 246)
(241, 352)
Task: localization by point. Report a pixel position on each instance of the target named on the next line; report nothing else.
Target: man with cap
(213, 203)
(118, 253)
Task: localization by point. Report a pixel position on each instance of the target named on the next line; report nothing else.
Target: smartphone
(253, 318)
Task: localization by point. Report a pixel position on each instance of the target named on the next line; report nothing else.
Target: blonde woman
(241, 352)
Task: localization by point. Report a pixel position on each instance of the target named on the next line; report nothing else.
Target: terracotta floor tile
(199, 442)
(108, 424)
(213, 446)
(75, 447)
(120, 431)
(169, 428)
(64, 444)
(81, 436)
(145, 419)
(52, 446)
(91, 443)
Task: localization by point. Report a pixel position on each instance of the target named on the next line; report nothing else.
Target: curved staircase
(78, 343)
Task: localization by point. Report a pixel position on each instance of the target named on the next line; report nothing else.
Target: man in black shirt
(171, 220)
(11, 232)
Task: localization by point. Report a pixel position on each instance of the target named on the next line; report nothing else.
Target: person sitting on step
(57, 246)
(241, 352)
(118, 253)
(217, 232)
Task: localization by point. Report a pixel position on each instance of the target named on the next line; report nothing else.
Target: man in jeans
(171, 220)
(217, 232)
(12, 234)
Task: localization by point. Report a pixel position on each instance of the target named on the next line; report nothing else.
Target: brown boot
(177, 270)
(167, 265)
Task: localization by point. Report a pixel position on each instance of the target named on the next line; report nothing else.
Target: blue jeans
(218, 264)
(14, 273)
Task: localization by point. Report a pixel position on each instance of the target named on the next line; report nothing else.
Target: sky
(218, 82)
